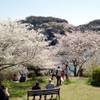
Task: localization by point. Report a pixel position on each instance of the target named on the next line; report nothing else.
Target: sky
(76, 12)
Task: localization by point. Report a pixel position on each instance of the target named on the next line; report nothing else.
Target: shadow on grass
(66, 82)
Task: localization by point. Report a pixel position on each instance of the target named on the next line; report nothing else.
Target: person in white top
(50, 85)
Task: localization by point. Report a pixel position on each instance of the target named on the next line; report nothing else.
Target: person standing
(53, 73)
(62, 75)
(66, 71)
(58, 76)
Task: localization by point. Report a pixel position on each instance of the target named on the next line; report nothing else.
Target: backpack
(58, 72)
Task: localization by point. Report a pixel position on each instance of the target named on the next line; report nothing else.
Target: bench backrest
(43, 92)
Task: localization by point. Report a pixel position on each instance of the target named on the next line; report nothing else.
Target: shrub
(95, 77)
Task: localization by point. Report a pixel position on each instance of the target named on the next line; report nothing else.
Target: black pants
(66, 75)
(58, 80)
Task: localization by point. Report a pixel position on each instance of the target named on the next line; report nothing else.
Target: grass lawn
(18, 91)
(78, 89)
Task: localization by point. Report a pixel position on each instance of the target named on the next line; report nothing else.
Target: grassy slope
(78, 89)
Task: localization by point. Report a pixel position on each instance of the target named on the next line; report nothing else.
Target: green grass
(20, 89)
(75, 89)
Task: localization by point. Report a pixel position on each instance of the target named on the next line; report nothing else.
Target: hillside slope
(91, 26)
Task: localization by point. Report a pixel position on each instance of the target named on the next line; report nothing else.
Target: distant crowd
(60, 72)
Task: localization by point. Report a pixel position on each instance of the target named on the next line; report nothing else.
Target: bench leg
(40, 97)
(33, 98)
(51, 97)
(45, 97)
(59, 97)
(27, 98)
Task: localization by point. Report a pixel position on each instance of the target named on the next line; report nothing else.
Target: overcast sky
(74, 11)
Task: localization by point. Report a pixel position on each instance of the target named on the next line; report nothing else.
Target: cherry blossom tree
(78, 48)
(19, 44)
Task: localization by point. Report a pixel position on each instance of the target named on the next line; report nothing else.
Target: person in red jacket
(62, 74)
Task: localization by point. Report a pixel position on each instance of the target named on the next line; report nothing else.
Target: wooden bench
(44, 93)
